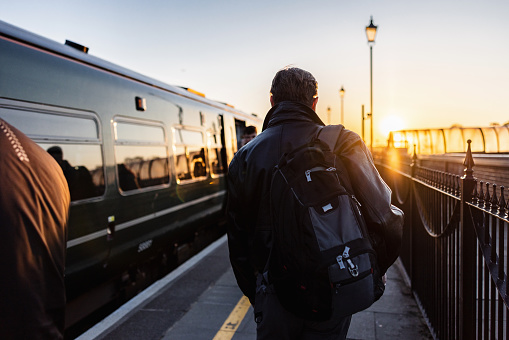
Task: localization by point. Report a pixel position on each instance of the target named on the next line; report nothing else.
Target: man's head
(249, 133)
(292, 83)
(57, 153)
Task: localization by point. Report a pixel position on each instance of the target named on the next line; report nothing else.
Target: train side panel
(145, 165)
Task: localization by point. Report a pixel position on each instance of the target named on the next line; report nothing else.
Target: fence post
(409, 217)
(468, 252)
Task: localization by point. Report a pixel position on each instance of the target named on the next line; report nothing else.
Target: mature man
(290, 123)
(34, 204)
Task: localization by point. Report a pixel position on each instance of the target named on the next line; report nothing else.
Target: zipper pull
(308, 175)
(339, 260)
(352, 268)
(346, 252)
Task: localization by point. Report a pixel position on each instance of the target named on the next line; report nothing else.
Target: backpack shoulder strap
(330, 134)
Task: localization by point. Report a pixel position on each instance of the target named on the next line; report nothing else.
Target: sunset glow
(429, 75)
(391, 123)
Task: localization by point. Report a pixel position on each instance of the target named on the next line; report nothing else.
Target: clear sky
(435, 63)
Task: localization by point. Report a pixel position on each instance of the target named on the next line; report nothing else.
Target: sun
(391, 123)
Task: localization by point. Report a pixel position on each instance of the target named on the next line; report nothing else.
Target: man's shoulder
(348, 138)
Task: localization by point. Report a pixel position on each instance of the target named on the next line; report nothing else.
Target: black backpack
(322, 262)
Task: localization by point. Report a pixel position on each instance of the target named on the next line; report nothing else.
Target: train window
(131, 133)
(190, 157)
(188, 137)
(70, 136)
(197, 161)
(37, 124)
(82, 166)
(215, 157)
(141, 155)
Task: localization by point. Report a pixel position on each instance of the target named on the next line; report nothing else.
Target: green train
(145, 161)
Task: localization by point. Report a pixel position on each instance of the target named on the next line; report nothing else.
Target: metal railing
(455, 249)
(490, 139)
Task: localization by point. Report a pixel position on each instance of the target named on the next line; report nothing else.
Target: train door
(217, 149)
(240, 126)
(230, 137)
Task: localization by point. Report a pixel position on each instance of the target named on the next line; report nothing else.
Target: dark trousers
(273, 321)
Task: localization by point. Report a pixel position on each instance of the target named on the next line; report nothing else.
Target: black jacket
(287, 126)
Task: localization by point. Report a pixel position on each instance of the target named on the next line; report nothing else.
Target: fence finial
(413, 165)
(469, 162)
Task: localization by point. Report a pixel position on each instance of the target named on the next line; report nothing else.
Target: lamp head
(342, 92)
(371, 31)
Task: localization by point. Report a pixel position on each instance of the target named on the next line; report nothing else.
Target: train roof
(80, 53)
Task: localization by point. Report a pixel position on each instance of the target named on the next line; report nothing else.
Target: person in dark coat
(250, 133)
(290, 123)
(34, 208)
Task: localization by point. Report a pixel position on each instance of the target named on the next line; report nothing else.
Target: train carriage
(145, 161)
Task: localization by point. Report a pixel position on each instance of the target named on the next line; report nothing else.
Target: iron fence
(455, 249)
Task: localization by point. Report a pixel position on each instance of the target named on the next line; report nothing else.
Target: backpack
(321, 262)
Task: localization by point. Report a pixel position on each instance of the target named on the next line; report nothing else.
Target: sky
(435, 63)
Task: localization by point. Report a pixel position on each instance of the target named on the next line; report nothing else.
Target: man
(290, 123)
(249, 133)
(34, 203)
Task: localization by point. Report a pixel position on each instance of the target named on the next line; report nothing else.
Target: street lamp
(328, 115)
(342, 94)
(371, 33)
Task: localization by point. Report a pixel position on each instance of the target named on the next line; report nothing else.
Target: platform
(201, 300)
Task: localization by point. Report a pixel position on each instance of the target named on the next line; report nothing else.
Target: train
(146, 162)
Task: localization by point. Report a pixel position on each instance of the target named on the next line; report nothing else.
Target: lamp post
(371, 33)
(328, 115)
(342, 94)
(362, 125)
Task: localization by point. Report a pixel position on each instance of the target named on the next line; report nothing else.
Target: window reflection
(190, 156)
(215, 157)
(197, 157)
(181, 166)
(141, 156)
(82, 167)
(71, 137)
(141, 166)
(34, 123)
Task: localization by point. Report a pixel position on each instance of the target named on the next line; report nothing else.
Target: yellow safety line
(233, 321)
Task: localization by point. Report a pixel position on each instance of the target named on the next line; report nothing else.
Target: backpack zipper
(358, 204)
(318, 168)
(352, 267)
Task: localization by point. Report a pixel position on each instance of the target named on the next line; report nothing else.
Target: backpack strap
(330, 134)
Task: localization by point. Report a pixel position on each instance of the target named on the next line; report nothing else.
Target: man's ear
(315, 101)
(271, 101)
